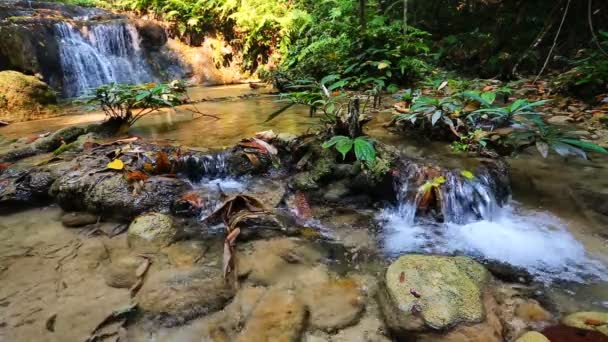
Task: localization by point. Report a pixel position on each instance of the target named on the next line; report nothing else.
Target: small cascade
(477, 218)
(204, 166)
(100, 54)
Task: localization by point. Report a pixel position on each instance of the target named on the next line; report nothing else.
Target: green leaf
(339, 84)
(329, 78)
(489, 97)
(344, 146)
(364, 149)
(588, 146)
(334, 140)
(517, 104)
(467, 174)
(436, 117)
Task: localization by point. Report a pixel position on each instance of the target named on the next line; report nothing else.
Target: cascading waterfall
(205, 166)
(481, 221)
(100, 54)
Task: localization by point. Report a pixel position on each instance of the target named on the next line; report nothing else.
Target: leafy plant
(504, 115)
(546, 137)
(364, 149)
(129, 103)
(472, 141)
(433, 111)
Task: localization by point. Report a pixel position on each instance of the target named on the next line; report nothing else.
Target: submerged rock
(173, 297)
(436, 292)
(78, 219)
(150, 232)
(532, 336)
(121, 273)
(279, 316)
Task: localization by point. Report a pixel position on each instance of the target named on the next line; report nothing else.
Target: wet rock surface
(78, 219)
(151, 231)
(173, 297)
(434, 292)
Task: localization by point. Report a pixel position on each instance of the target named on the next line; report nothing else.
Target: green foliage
(364, 149)
(507, 113)
(471, 142)
(546, 137)
(119, 101)
(590, 69)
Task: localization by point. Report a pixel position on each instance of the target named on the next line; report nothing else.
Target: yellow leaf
(382, 65)
(116, 164)
(467, 174)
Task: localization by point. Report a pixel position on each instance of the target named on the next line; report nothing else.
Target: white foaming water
(536, 241)
(102, 53)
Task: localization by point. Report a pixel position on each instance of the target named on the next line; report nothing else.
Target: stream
(47, 270)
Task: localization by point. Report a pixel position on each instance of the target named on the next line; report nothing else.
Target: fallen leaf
(255, 161)
(594, 322)
(271, 149)
(302, 208)
(163, 165)
(50, 323)
(148, 167)
(89, 145)
(442, 85)
(137, 176)
(116, 164)
(193, 198)
(402, 277)
(142, 268)
(4, 166)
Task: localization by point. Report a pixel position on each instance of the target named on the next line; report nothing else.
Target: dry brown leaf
(255, 161)
(163, 164)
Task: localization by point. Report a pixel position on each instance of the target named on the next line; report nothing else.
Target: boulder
(78, 219)
(433, 292)
(25, 187)
(150, 232)
(121, 273)
(24, 97)
(532, 336)
(590, 320)
(333, 304)
(279, 316)
(174, 297)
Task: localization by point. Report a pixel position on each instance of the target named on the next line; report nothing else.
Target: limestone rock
(174, 297)
(24, 97)
(122, 272)
(333, 304)
(151, 231)
(436, 292)
(78, 219)
(532, 336)
(590, 320)
(279, 316)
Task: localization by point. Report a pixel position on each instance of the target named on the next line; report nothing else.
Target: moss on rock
(24, 97)
(435, 292)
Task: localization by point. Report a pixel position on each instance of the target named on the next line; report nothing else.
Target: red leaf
(193, 198)
(137, 176)
(4, 166)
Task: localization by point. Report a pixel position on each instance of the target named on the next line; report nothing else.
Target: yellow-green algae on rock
(443, 291)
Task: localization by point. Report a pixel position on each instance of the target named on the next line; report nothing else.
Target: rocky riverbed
(120, 243)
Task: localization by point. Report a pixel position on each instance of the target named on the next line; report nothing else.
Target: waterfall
(100, 54)
(204, 166)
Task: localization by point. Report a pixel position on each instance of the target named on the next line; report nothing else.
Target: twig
(559, 30)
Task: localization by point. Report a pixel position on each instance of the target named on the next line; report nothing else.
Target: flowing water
(99, 54)
(541, 228)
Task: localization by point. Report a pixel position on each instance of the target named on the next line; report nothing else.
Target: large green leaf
(489, 97)
(334, 140)
(344, 146)
(436, 117)
(364, 149)
(588, 146)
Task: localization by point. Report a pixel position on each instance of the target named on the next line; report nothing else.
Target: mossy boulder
(433, 292)
(24, 97)
(532, 336)
(151, 232)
